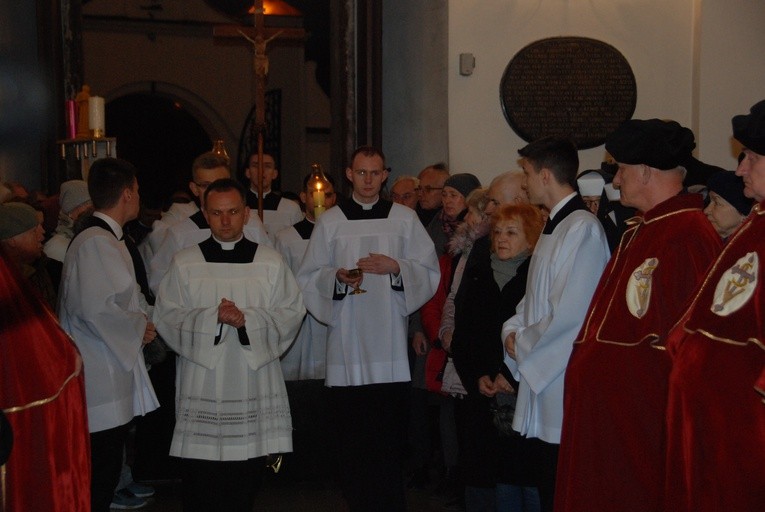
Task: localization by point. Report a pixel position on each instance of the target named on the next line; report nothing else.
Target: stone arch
(210, 120)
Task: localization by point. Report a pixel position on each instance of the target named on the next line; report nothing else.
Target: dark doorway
(161, 138)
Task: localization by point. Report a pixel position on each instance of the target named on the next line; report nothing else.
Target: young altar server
(564, 270)
(102, 308)
(367, 362)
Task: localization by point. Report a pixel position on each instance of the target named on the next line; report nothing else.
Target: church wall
(695, 62)
(415, 109)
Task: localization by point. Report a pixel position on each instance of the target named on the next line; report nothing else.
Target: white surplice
(102, 309)
(307, 357)
(367, 333)
(563, 273)
(231, 401)
(186, 233)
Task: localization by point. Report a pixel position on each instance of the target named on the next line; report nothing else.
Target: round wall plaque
(568, 86)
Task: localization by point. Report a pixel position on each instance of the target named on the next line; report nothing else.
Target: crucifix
(261, 72)
(259, 36)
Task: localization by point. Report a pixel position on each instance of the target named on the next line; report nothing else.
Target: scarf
(450, 225)
(505, 270)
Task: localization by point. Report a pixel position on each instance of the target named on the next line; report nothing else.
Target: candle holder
(317, 185)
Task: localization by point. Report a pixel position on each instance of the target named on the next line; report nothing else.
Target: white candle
(318, 197)
(96, 116)
(318, 203)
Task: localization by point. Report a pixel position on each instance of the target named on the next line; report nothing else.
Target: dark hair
(367, 151)
(224, 185)
(107, 179)
(209, 160)
(555, 153)
(329, 177)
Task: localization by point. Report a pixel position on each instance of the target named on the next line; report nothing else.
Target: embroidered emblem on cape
(736, 286)
(639, 287)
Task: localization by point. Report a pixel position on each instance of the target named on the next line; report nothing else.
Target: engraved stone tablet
(568, 86)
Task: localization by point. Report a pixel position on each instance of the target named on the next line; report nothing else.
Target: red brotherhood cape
(42, 393)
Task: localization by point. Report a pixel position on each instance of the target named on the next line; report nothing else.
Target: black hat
(464, 183)
(749, 129)
(731, 188)
(653, 142)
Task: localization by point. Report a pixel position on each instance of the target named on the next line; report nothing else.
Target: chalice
(353, 274)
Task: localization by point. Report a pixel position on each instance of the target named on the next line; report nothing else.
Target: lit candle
(96, 116)
(318, 201)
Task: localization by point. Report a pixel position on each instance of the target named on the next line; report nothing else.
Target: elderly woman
(489, 294)
(728, 206)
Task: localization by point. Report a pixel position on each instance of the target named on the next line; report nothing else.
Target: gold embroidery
(736, 286)
(638, 293)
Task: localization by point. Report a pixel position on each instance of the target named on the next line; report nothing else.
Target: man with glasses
(432, 180)
(367, 365)
(405, 190)
(207, 168)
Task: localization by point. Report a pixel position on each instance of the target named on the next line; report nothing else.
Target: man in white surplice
(207, 167)
(367, 365)
(564, 271)
(102, 309)
(229, 307)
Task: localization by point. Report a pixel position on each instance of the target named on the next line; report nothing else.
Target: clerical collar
(265, 194)
(228, 246)
(555, 209)
(113, 224)
(365, 206)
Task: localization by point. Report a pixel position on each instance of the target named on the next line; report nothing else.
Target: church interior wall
(660, 40)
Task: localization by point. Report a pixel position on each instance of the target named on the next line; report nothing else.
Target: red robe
(716, 416)
(612, 446)
(42, 394)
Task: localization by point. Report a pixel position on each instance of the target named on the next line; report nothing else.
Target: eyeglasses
(362, 173)
(203, 185)
(428, 189)
(402, 197)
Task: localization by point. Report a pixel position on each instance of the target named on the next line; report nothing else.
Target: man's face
(367, 174)
(752, 170)
(629, 180)
(269, 172)
(532, 182)
(404, 192)
(226, 214)
(504, 191)
(329, 199)
(134, 201)
(28, 245)
(203, 178)
(431, 184)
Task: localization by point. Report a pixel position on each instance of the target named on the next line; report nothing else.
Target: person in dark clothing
(489, 294)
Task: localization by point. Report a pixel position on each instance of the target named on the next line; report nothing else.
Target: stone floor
(281, 496)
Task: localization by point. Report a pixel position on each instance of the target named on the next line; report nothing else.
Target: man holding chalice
(371, 240)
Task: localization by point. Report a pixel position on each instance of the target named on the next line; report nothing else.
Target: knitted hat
(731, 188)
(73, 194)
(660, 144)
(16, 218)
(464, 183)
(749, 129)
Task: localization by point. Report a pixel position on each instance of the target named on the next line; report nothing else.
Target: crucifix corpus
(260, 64)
